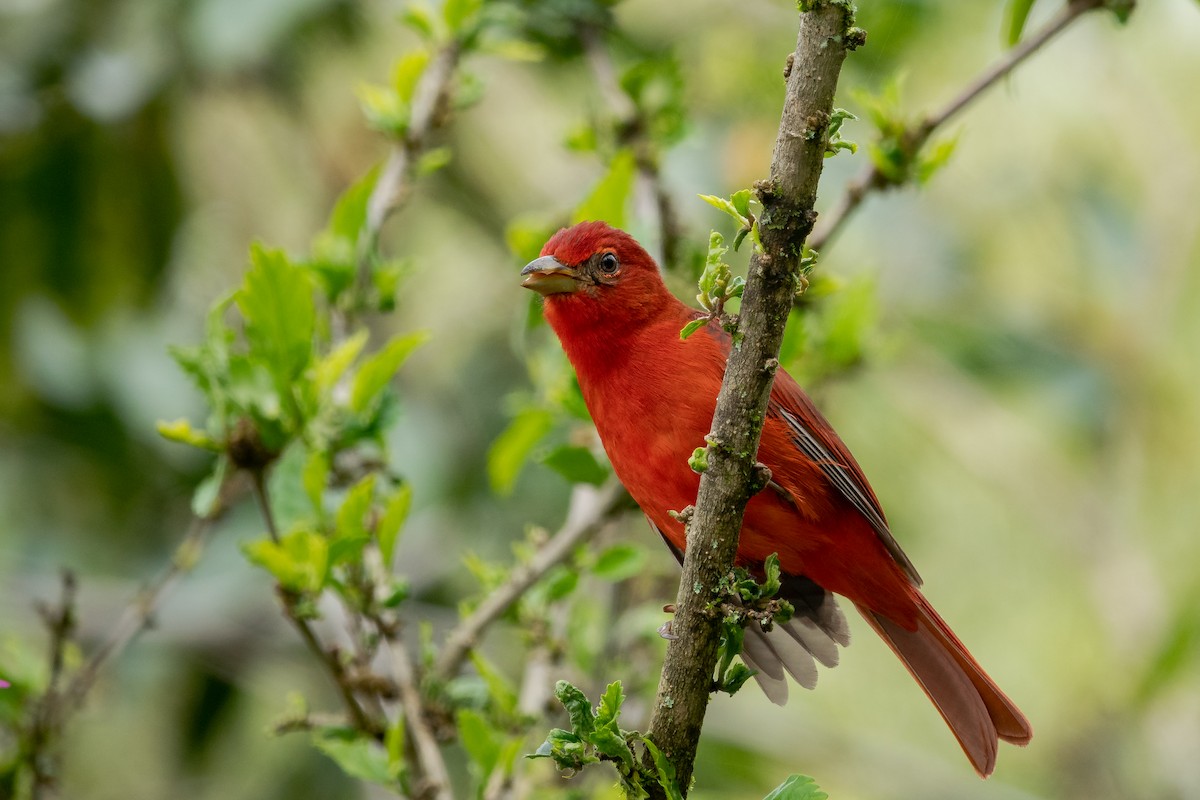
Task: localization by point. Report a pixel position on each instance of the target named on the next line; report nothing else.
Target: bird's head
(592, 272)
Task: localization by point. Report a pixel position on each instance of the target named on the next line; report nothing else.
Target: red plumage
(652, 397)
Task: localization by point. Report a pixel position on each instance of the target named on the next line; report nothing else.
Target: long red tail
(978, 713)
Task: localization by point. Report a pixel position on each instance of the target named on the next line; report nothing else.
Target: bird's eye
(609, 263)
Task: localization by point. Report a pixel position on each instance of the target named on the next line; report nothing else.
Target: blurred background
(1025, 395)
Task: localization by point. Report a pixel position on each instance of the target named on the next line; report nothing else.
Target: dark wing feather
(821, 444)
(796, 646)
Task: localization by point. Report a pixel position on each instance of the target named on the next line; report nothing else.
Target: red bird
(652, 397)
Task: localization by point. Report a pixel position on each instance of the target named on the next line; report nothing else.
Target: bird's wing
(815, 437)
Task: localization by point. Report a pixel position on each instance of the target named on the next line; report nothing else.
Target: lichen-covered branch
(827, 32)
(872, 179)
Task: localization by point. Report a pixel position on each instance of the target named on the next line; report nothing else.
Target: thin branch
(435, 777)
(632, 131)
(732, 477)
(290, 601)
(49, 711)
(430, 107)
(872, 179)
(590, 509)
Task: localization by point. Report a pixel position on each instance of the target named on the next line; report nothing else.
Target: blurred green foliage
(1010, 352)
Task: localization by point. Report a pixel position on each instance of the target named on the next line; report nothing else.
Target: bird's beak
(547, 275)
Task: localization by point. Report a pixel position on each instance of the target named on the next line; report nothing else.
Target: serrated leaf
(619, 562)
(729, 208)
(736, 678)
(609, 197)
(395, 512)
(377, 371)
(608, 710)
(576, 464)
(357, 755)
(797, 787)
(511, 449)
(770, 586)
(578, 708)
(276, 300)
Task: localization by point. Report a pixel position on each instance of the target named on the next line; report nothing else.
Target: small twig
(328, 657)
(49, 711)
(394, 185)
(590, 509)
(871, 179)
(632, 128)
(435, 783)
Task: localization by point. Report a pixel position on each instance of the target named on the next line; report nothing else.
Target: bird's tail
(978, 713)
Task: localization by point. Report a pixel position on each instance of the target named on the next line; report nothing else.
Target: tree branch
(632, 132)
(590, 509)
(872, 179)
(436, 778)
(430, 106)
(826, 33)
(362, 721)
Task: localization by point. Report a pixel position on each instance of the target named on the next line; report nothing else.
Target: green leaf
(576, 464)
(511, 449)
(1017, 15)
(276, 300)
(525, 237)
(699, 460)
(333, 365)
(933, 157)
(740, 200)
(619, 562)
(609, 708)
(299, 562)
(350, 526)
(349, 213)
(666, 771)
(770, 586)
(377, 371)
(501, 693)
(458, 13)
(578, 708)
(358, 755)
(207, 496)
(611, 194)
(406, 73)
(797, 787)
(728, 207)
(736, 678)
(433, 160)
(479, 739)
(315, 477)
(182, 431)
(692, 327)
(395, 512)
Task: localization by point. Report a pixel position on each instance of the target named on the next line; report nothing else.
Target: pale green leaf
(512, 447)
(358, 755)
(334, 364)
(619, 562)
(797, 787)
(377, 371)
(609, 197)
(576, 464)
(182, 431)
(395, 512)
(276, 300)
